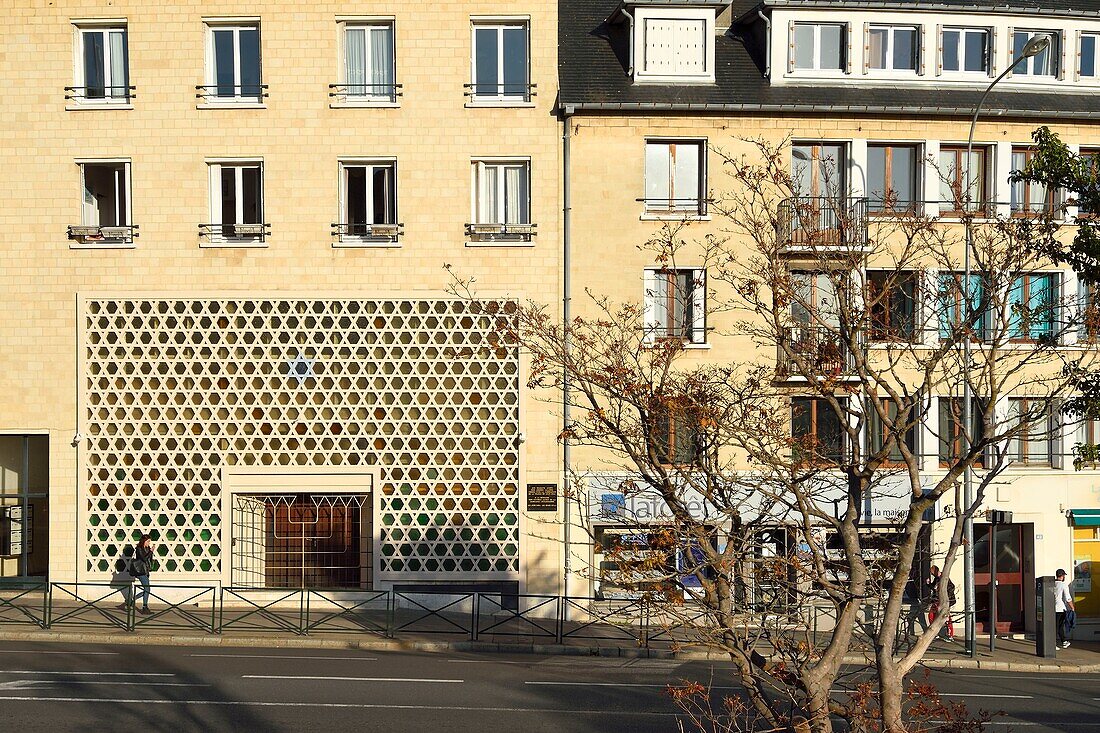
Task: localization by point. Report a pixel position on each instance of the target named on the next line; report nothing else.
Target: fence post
(474, 608)
(303, 610)
(47, 605)
(391, 604)
(131, 608)
(643, 630)
(559, 629)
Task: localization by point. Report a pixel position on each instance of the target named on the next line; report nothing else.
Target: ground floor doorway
(24, 506)
(1009, 548)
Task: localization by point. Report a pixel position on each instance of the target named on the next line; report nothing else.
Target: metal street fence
(475, 616)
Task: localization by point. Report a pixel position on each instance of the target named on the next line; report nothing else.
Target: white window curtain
(355, 51)
(515, 195)
(118, 81)
(381, 44)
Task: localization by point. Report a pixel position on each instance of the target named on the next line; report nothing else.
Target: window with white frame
(676, 45)
(1033, 304)
(1045, 63)
(369, 63)
(1029, 197)
(1036, 441)
(501, 201)
(105, 203)
(819, 47)
(893, 178)
(675, 177)
(103, 65)
(1088, 65)
(893, 48)
(676, 305)
(500, 63)
(965, 50)
(233, 63)
(368, 196)
(236, 201)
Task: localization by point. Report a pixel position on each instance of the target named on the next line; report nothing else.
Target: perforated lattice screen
(175, 390)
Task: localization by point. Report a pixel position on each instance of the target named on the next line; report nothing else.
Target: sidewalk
(1013, 655)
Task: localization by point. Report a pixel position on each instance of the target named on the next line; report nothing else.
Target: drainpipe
(565, 316)
(767, 42)
(630, 53)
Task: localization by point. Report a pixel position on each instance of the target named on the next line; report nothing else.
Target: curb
(484, 647)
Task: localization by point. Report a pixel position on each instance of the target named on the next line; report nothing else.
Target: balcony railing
(368, 92)
(822, 224)
(695, 206)
(100, 95)
(230, 93)
(500, 92)
(500, 232)
(355, 231)
(95, 234)
(235, 232)
(813, 352)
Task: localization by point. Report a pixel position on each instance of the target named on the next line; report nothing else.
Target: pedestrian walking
(918, 607)
(1063, 601)
(140, 567)
(934, 608)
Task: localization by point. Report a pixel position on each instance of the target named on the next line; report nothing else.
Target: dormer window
(819, 47)
(1044, 63)
(1087, 61)
(966, 50)
(893, 48)
(673, 45)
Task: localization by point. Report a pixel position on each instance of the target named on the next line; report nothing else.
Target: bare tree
(848, 328)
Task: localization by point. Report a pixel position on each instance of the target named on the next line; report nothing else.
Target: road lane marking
(617, 684)
(345, 679)
(943, 693)
(485, 661)
(39, 671)
(1007, 676)
(358, 706)
(35, 651)
(23, 684)
(276, 656)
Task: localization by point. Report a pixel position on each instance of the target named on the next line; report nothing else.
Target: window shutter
(650, 300)
(939, 50)
(215, 171)
(1063, 54)
(866, 48)
(699, 307)
(1011, 50)
(1077, 63)
(922, 52)
(790, 46)
(993, 50)
(848, 55)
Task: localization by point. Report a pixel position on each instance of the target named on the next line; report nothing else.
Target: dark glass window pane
(951, 40)
(902, 175)
(229, 199)
(223, 63)
(93, 65)
(356, 199)
(383, 199)
(876, 177)
(485, 62)
(250, 62)
(905, 49)
(1088, 55)
(252, 195)
(515, 61)
(829, 436)
(976, 51)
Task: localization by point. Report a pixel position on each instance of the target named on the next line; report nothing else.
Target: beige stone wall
(300, 138)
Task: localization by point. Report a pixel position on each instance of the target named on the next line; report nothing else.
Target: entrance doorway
(1007, 548)
(301, 541)
(24, 506)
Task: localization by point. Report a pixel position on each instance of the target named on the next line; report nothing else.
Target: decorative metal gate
(301, 541)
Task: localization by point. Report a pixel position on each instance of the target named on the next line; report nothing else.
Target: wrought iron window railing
(821, 223)
(235, 232)
(229, 93)
(355, 231)
(96, 234)
(521, 92)
(500, 232)
(101, 95)
(821, 351)
(692, 206)
(367, 92)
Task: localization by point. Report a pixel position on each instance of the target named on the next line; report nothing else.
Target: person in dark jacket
(140, 566)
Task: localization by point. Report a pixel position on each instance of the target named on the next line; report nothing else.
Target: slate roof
(593, 59)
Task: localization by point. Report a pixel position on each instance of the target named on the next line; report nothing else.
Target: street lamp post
(1035, 45)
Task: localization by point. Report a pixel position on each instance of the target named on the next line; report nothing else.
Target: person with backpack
(934, 608)
(140, 566)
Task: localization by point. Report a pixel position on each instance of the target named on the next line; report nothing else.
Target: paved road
(66, 687)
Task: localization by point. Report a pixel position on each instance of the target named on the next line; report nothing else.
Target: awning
(1085, 517)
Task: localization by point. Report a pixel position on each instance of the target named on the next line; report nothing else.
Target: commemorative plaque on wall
(542, 497)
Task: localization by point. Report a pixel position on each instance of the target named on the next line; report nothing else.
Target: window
(951, 436)
(675, 305)
(819, 169)
(368, 63)
(675, 437)
(103, 69)
(368, 202)
(893, 48)
(879, 432)
(675, 177)
(1033, 304)
(1044, 63)
(501, 201)
(1034, 443)
(105, 205)
(966, 50)
(1029, 197)
(500, 66)
(813, 345)
(954, 171)
(962, 309)
(819, 47)
(236, 202)
(892, 178)
(675, 45)
(893, 305)
(233, 64)
(1088, 66)
(817, 436)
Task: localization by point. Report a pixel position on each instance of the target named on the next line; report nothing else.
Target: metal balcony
(822, 225)
(812, 352)
(500, 232)
(360, 232)
(235, 232)
(96, 234)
